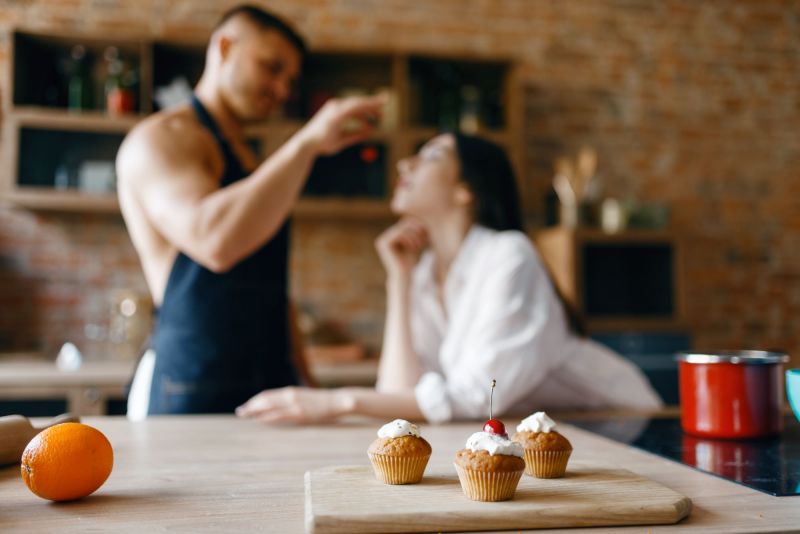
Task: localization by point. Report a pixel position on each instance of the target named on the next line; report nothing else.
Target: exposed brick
(693, 104)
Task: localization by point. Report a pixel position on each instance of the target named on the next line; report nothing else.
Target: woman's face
(429, 182)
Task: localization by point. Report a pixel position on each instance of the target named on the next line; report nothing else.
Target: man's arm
(217, 227)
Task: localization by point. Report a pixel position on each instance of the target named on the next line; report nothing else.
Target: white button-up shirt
(501, 319)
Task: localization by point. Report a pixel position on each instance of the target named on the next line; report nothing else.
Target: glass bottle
(448, 110)
(469, 119)
(79, 91)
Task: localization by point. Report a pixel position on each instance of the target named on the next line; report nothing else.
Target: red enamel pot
(731, 394)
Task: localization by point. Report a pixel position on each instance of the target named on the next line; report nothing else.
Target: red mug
(731, 394)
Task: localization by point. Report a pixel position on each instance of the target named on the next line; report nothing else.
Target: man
(210, 223)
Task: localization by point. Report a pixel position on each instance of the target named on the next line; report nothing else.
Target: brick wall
(695, 104)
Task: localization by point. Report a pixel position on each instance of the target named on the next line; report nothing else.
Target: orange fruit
(67, 462)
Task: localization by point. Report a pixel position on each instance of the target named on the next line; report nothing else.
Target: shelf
(635, 324)
(57, 119)
(63, 201)
(421, 134)
(360, 373)
(447, 91)
(597, 235)
(355, 209)
(49, 144)
(307, 209)
(41, 66)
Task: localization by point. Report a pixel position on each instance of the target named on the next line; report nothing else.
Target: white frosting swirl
(397, 429)
(493, 444)
(538, 422)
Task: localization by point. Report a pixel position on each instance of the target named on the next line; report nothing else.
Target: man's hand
(400, 246)
(295, 405)
(341, 123)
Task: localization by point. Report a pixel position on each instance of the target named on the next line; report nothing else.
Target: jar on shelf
(119, 96)
(470, 116)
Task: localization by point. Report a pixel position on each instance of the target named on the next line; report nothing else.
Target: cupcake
(400, 454)
(490, 466)
(546, 451)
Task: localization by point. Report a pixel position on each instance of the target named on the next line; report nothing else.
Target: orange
(67, 462)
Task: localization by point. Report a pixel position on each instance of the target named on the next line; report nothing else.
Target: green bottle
(79, 85)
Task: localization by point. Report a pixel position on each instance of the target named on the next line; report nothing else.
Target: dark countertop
(771, 465)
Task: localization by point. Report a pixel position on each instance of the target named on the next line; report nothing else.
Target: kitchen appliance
(771, 465)
(731, 394)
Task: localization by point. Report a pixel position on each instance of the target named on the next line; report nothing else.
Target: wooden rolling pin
(16, 431)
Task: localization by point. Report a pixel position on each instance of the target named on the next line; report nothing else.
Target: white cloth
(139, 396)
(503, 320)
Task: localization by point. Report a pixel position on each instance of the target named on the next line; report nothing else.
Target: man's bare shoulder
(165, 138)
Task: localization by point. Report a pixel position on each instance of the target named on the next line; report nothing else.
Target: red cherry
(495, 426)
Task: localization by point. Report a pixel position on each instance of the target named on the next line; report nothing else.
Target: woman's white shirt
(501, 319)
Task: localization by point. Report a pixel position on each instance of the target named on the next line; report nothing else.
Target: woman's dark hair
(485, 168)
(487, 171)
(265, 21)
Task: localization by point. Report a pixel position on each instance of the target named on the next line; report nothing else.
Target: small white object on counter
(538, 422)
(493, 444)
(398, 428)
(69, 358)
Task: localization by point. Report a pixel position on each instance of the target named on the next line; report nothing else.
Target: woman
(468, 301)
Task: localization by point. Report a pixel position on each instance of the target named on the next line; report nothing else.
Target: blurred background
(656, 143)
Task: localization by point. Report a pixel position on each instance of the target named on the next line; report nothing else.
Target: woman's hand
(294, 405)
(400, 246)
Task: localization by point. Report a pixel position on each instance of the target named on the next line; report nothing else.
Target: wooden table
(222, 474)
(88, 388)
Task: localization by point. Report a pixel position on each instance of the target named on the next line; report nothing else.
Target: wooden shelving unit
(35, 111)
(648, 288)
(40, 198)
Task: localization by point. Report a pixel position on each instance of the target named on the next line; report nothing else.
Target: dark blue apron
(222, 338)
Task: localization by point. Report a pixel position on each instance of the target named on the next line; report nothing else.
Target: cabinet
(629, 289)
(627, 281)
(72, 99)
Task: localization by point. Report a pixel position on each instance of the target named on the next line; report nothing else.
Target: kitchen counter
(219, 473)
(88, 388)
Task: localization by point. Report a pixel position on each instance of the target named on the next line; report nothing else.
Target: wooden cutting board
(348, 499)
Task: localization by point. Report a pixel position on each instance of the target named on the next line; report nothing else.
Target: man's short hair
(265, 21)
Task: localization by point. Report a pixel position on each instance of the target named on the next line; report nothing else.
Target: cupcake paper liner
(398, 469)
(546, 464)
(488, 486)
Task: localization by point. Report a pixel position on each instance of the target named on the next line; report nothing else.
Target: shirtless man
(210, 222)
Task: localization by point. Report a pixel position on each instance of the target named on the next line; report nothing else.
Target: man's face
(259, 69)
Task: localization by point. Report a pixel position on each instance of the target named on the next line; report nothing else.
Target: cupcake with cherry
(491, 465)
(546, 451)
(399, 454)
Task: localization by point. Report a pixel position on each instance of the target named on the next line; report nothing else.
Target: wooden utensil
(585, 167)
(563, 182)
(16, 431)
